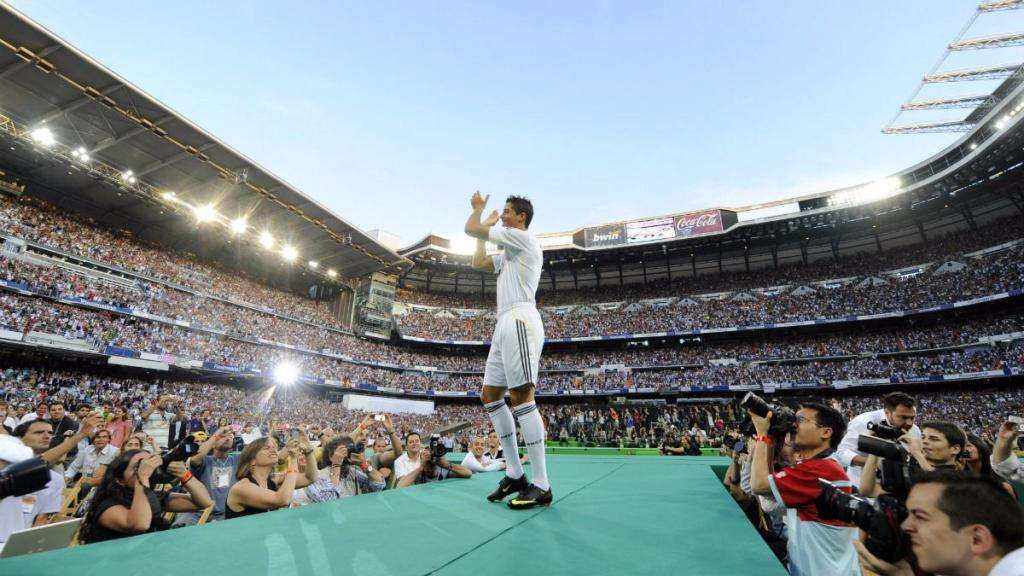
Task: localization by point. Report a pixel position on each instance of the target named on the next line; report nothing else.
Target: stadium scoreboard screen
(689, 225)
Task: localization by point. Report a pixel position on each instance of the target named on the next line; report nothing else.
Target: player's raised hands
(492, 219)
(477, 201)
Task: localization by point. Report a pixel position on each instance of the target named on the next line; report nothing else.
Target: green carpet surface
(611, 515)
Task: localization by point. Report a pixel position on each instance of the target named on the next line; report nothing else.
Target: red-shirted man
(815, 546)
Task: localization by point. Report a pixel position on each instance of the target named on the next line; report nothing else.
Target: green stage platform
(612, 515)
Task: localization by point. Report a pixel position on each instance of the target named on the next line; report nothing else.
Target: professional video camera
(783, 418)
(24, 477)
(880, 521)
(437, 449)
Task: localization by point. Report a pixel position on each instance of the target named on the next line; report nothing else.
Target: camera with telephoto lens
(24, 477)
(879, 521)
(185, 449)
(437, 449)
(883, 430)
(783, 418)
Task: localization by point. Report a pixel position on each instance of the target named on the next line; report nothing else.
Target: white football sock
(505, 426)
(533, 435)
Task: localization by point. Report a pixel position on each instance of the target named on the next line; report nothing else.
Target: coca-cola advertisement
(698, 223)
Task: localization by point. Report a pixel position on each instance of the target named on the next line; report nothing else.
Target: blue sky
(392, 114)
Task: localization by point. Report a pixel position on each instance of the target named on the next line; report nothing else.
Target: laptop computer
(41, 538)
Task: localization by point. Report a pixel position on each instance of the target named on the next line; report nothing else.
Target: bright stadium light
(239, 225)
(43, 136)
(205, 213)
(266, 240)
(289, 253)
(128, 176)
(81, 154)
(867, 193)
(313, 264)
(332, 272)
(286, 373)
(169, 196)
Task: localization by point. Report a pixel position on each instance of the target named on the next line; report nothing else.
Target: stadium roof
(176, 168)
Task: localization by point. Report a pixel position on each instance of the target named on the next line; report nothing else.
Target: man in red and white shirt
(816, 546)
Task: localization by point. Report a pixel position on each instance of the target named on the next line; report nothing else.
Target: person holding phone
(1004, 462)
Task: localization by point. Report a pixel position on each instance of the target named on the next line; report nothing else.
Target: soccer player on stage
(514, 358)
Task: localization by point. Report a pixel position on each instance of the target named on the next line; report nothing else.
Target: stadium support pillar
(621, 281)
(775, 256)
(597, 273)
(430, 278)
(668, 265)
(746, 257)
(835, 248)
(575, 278)
(920, 230)
(643, 268)
(720, 258)
(803, 251)
(456, 282)
(693, 263)
(878, 243)
(483, 280)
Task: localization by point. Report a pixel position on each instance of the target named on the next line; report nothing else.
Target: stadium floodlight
(332, 272)
(266, 240)
(313, 264)
(205, 213)
(43, 136)
(289, 253)
(867, 193)
(286, 373)
(239, 226)
(81, 154)
(169, 196)
(128, 176)
(974, 145)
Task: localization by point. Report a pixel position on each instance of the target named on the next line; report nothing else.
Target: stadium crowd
(313, 449)
(983, 276)
(938, 249)
(132, 449)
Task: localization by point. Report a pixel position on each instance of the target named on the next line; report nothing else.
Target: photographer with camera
(216, 471)
(673, 445)
(344, 472)
(1004, 462)
(20, 475)
(38, 435)
(894, 419)
(421, 466)
(815, 545)
(124, 503)
(958, 525)
(939, 448)
(156, 420)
